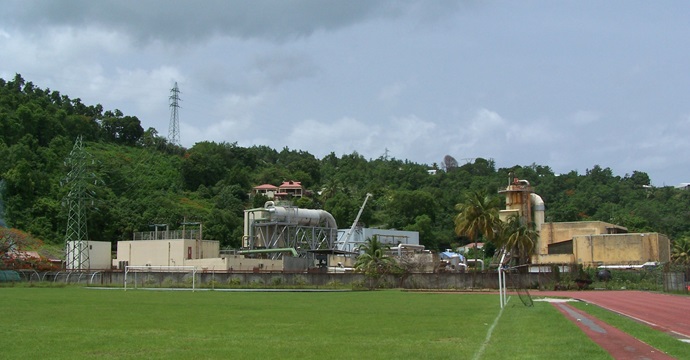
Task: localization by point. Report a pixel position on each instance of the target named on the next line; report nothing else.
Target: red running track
(617, 343)
(670, 313)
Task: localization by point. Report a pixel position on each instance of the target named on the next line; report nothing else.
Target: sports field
(73, 322)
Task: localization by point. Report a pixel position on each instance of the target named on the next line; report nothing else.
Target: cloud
(409, 137)
(390, 93)
(271, 69)
(231, 119)
(477, 132)
(342, 136)
(585, 117)
(400, 135)
(63, 49)
(190, 21)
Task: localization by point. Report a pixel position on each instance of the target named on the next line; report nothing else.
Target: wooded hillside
(141, 179)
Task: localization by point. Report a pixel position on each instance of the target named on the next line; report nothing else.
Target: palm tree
(681, 251)
(373, 261)
(519, 238)
(477, 216)
(331, 188)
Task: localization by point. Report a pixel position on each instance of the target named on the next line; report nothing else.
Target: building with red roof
(286, 189)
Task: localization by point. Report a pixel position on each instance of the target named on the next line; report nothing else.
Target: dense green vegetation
(143, 180)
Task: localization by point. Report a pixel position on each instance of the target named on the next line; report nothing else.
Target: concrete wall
(236, 263)
(439, 281)
(621, 249)
(345, 261)
(597, 243)
(165, 252)
(100, 254)
(556, 232)
(555, 259)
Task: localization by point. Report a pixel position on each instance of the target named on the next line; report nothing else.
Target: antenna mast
(174, 128)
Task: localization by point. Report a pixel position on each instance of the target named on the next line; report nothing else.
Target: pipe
(266, 251)
(476, 260)
(304, 217)
(410, 246)
(539, 210)
(249, 218)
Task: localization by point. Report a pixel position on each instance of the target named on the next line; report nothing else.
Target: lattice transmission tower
(174, 128)
(78, 179)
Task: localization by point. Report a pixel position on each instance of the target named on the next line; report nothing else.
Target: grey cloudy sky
(568, 84)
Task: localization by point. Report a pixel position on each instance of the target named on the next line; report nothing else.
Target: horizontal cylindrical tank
(297, 216)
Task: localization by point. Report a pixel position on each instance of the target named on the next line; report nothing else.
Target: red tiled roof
(291, 185)
(25, 254)
(471, 245)
(266, 187)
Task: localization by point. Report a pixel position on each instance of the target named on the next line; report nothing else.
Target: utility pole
(174, 128)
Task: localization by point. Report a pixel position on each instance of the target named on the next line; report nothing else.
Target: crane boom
(343, 245)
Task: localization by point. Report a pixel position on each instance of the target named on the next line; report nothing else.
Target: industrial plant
(281, 238)
(587, 243)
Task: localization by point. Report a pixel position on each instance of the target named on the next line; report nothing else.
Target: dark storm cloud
(176, 20)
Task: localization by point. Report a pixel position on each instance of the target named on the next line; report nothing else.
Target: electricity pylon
(76, 237)
(174, 128)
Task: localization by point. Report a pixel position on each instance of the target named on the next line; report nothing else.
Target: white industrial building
(387, 237)
(95, 255)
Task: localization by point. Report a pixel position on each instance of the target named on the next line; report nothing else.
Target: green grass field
(73, 322)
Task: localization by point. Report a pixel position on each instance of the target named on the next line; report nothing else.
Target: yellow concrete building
(597, 243)
(166, 252)
(589, 243)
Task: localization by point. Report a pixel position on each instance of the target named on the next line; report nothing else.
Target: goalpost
(159, 269)
(517, 284)
(501, 286)
(502, 267)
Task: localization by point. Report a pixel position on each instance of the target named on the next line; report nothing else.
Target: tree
(449, 163)
(204, 164)
(120, 129)
(519, 238)
(681, 250)
(12, 243)
(477, 216)
(373, 261)
(403, 207)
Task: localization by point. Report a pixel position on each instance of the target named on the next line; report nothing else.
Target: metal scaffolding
(280, 235)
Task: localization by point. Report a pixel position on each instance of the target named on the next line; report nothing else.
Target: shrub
(234, 281)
